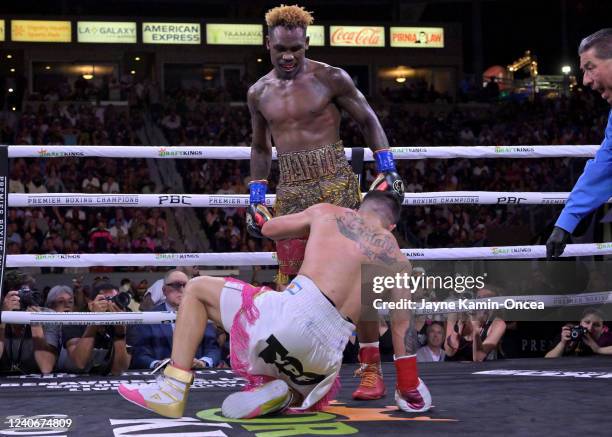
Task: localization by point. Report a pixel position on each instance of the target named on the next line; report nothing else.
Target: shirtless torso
(340, 242)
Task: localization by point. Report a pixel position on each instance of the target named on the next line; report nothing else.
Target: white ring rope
(157, 317)
(269, 258)
(229, 152)
(78, 318)
(35, 200)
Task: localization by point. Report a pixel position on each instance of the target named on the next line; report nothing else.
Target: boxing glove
(388, 178)
(257, 214)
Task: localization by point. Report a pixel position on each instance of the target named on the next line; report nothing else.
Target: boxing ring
(509, 397)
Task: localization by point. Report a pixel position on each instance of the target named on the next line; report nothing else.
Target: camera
(122, 300)
(577, 332)
(29, 297)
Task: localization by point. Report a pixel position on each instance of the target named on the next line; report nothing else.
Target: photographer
(589, 337)
(99, 349)
(23, 348)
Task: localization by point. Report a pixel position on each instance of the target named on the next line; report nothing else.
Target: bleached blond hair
(289, 16)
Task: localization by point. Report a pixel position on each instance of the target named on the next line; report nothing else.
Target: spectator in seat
(595, 337)
(60, 299)
(153, 343)
(474, 337)
(100, 238)
(433, 350)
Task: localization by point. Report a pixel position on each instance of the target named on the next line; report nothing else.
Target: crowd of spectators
(81, 230)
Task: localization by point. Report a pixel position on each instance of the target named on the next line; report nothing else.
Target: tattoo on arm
(376, 246)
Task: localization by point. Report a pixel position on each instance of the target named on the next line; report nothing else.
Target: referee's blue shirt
(593, 188)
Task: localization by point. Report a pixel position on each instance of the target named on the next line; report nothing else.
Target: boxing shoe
(271, 397)
(371, 385)
(411, 393)
(166, 396)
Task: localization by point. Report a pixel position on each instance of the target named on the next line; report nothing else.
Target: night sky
(509, 27)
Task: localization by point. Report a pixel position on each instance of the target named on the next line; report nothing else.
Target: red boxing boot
(372, 385)
(411, 393)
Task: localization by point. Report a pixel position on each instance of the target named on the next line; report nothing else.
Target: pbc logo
(510, 200)
(276, 354)
(176, 199)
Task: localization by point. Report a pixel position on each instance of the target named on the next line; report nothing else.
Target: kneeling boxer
(289, 345)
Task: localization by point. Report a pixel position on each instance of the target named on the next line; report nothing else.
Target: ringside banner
(171, 33)
(234, 34)
(317, 35)
(41, 31)
(357, 36)
(106, 32)
(417, 37)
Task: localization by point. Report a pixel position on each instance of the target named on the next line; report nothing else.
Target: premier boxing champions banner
(4, 165)
(41, 31)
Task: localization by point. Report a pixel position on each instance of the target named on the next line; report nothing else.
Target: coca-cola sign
(357, 36)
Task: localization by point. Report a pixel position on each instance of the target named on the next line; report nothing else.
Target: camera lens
(122, 299)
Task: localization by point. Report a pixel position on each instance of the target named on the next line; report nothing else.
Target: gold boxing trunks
(321, 175)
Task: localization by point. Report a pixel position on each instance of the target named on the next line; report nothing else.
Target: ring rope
(229, 152)
(269, 258)
(34, 200)
(157, 317)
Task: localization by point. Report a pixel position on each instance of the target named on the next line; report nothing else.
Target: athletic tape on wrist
(384, 160)
(257, 191)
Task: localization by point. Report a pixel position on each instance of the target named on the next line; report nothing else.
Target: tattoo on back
(376, 246)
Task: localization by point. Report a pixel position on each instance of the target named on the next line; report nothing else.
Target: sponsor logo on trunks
(294, 288)
(276, 354)
(603, 246)
(44, 153)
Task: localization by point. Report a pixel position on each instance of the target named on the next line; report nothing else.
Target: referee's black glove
(556, 242)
